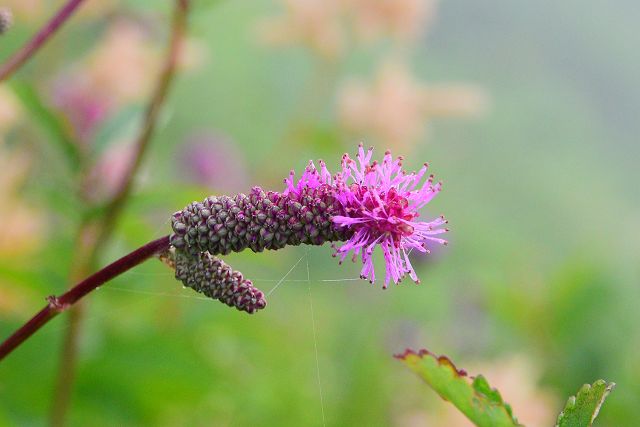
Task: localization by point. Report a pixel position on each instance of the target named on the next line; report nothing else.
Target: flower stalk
(58, 304)
(32, 46)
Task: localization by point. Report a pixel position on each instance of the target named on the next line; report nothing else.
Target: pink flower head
(380, 204)
(311, 178)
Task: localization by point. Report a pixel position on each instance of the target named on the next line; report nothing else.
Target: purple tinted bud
(265, 220)
(210, 276)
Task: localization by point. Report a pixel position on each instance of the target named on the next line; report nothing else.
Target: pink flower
(380, 203)
(366, 204)
(85, 109)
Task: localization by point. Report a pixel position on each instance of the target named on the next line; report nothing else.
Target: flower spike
(365, 205)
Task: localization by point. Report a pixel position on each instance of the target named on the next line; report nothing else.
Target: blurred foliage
(540, 193)
(47, 119)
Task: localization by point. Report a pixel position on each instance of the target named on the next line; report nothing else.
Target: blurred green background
(527, 112)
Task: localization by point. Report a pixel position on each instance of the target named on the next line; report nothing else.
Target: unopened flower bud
(210, 276)
(273, 220)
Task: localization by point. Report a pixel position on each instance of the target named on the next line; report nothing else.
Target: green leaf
(582, 409)
(473, 397)
(50, 122)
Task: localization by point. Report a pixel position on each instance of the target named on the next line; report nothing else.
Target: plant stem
(93, 236)
(83, 262)
(32, 46)
(58, 304)
(63, 388)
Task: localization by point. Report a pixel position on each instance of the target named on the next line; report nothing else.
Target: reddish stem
(28, 50)
(59, 304)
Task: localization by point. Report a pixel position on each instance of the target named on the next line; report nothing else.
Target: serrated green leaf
(582, 409)
(481, 385)
(474, 398)
(48, 121)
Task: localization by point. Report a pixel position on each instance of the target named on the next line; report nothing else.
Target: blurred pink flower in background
(106, 176)
(453, 100)
(326, 26)
(395, 107)
(401, 19)
(85, 109)
(314, 23)
(116, 73)
(119, 68)
(389, 108)
(213, 161)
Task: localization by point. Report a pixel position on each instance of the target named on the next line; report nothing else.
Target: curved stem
(178, 29)
(32, 46)
(58, 304)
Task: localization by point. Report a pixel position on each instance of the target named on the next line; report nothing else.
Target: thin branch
(32, 46)
(178, 29)
(58, 304)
